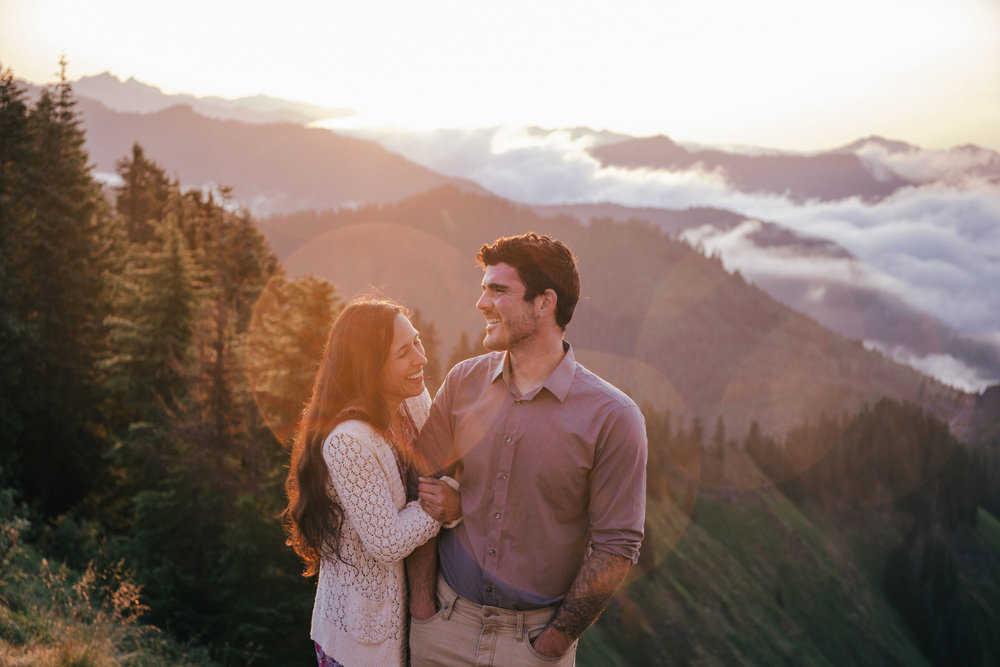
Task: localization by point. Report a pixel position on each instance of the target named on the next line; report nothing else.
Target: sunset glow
(778, 73)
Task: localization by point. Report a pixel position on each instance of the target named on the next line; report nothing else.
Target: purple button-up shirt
(543, 475)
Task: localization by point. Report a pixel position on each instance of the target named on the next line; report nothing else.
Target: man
(552, 464)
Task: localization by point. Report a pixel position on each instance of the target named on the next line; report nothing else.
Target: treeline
(943, 577)
(129, 327)
(153, 360)
(863, 539)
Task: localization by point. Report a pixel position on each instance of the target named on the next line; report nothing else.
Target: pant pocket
(537, 658)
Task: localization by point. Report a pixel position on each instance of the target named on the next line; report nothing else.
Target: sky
(784, 74)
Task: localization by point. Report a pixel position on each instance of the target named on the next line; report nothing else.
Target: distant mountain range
(280, 168)
(273, 167)
(824, 176)
(134, 96)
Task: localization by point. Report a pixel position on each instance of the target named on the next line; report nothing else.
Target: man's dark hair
(542, 263)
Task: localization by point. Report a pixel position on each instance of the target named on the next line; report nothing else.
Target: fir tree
(55, 268)
(464, 350)
(16, 336)
(143, 195)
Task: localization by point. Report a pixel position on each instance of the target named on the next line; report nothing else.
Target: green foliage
(988, 529)
(52, 264)
(142, 196)
(285, 346)
(55, 616)
(127, 338)
(941, 577)
(752, 580)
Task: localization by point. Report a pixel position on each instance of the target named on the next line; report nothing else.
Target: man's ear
(546, 303)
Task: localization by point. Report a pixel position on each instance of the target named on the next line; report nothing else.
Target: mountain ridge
(659, 319)
(135, 96)
(272, 167)
(824, 176)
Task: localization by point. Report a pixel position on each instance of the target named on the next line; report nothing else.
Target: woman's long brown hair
(347, 386)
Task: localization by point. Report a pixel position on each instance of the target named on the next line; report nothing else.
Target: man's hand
(599, 577)
(552, 642)
(422, 608)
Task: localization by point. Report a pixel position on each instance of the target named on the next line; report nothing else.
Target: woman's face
(403, 372)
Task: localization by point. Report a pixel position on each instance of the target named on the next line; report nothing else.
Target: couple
(550, 461)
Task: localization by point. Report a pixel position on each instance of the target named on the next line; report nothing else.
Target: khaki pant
(463, 633)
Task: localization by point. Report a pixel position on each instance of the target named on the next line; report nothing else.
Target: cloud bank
(935, 245)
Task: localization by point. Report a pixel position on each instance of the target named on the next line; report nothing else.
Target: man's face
(510, 320)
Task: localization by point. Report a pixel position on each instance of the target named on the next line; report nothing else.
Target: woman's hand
(440, 500)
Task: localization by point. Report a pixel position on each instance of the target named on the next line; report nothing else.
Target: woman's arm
(388, 533)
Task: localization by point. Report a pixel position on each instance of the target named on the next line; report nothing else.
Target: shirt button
(497, 515)
(489, 589)
(517, 402)
(492, 552)
(508, 439)
(503, 476)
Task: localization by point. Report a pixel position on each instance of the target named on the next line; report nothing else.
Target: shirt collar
(559, 381)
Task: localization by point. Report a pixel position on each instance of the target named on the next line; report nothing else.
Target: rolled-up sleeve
(618, 486)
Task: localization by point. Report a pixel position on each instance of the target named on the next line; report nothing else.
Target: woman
(347, 515)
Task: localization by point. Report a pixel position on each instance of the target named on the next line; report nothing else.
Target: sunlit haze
(777, 73)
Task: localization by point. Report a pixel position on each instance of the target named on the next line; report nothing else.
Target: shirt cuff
(455, 485)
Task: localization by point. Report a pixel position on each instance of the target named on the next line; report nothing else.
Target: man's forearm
(600, 576)
(421, 577)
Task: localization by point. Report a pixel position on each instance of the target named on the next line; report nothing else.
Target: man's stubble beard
(519, 331)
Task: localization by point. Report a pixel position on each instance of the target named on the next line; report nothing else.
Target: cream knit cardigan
(360, 611)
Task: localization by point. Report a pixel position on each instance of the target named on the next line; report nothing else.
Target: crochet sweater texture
(359, 616)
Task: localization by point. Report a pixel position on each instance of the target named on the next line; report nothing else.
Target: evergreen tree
(156, 302)
(464, 350)
(16, 336)
(55, 270)
(288, 332)
(143, 195)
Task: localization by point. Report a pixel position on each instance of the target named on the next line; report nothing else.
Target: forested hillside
(666, 323)
(154, 354)
(129, 428)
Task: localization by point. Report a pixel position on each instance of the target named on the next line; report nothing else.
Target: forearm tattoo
(600, 576)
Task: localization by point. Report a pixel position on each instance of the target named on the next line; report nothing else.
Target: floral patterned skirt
(323, 659)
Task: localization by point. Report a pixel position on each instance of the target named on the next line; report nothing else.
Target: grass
(753, 581)
(988, 529)
(53, 616)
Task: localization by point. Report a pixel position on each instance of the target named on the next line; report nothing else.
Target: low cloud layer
(935, 245)
(943, 366)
